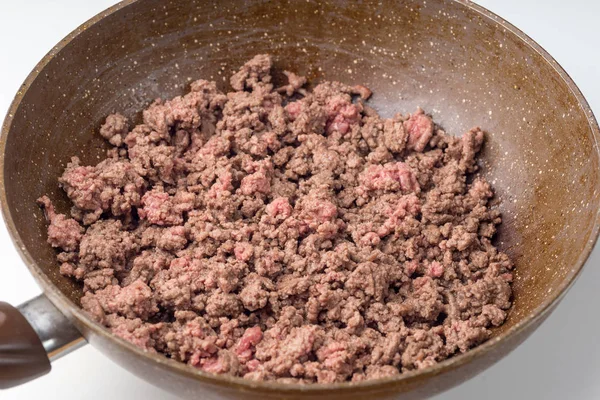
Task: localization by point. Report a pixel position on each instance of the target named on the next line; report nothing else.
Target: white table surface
(547, 366)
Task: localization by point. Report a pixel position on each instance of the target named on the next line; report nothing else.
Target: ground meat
(115, 129)
(112, 186)
(253, 73)
(394, 177)
(133, 301)
(285, 234)
(63, 232)
(160, 208)
(420, 130)
(295, 84)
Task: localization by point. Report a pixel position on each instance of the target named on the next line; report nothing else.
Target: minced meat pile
(285, 234)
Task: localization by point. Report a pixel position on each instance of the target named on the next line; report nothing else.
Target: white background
(560, 361)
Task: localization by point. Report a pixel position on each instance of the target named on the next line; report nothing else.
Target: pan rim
(76, 313)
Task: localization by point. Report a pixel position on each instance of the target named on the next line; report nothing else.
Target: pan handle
(31, 336)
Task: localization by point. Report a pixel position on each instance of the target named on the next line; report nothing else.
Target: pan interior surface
(461, 66)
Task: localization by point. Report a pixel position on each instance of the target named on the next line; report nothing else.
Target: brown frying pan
(453, 58)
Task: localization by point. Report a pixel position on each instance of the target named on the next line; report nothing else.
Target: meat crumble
(276, 233)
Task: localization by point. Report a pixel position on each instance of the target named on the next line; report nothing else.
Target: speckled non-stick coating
(459, 62)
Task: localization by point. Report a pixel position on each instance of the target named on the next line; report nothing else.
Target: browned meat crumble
(281, 234)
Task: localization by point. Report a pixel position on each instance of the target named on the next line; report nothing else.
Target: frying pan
(455, 59)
